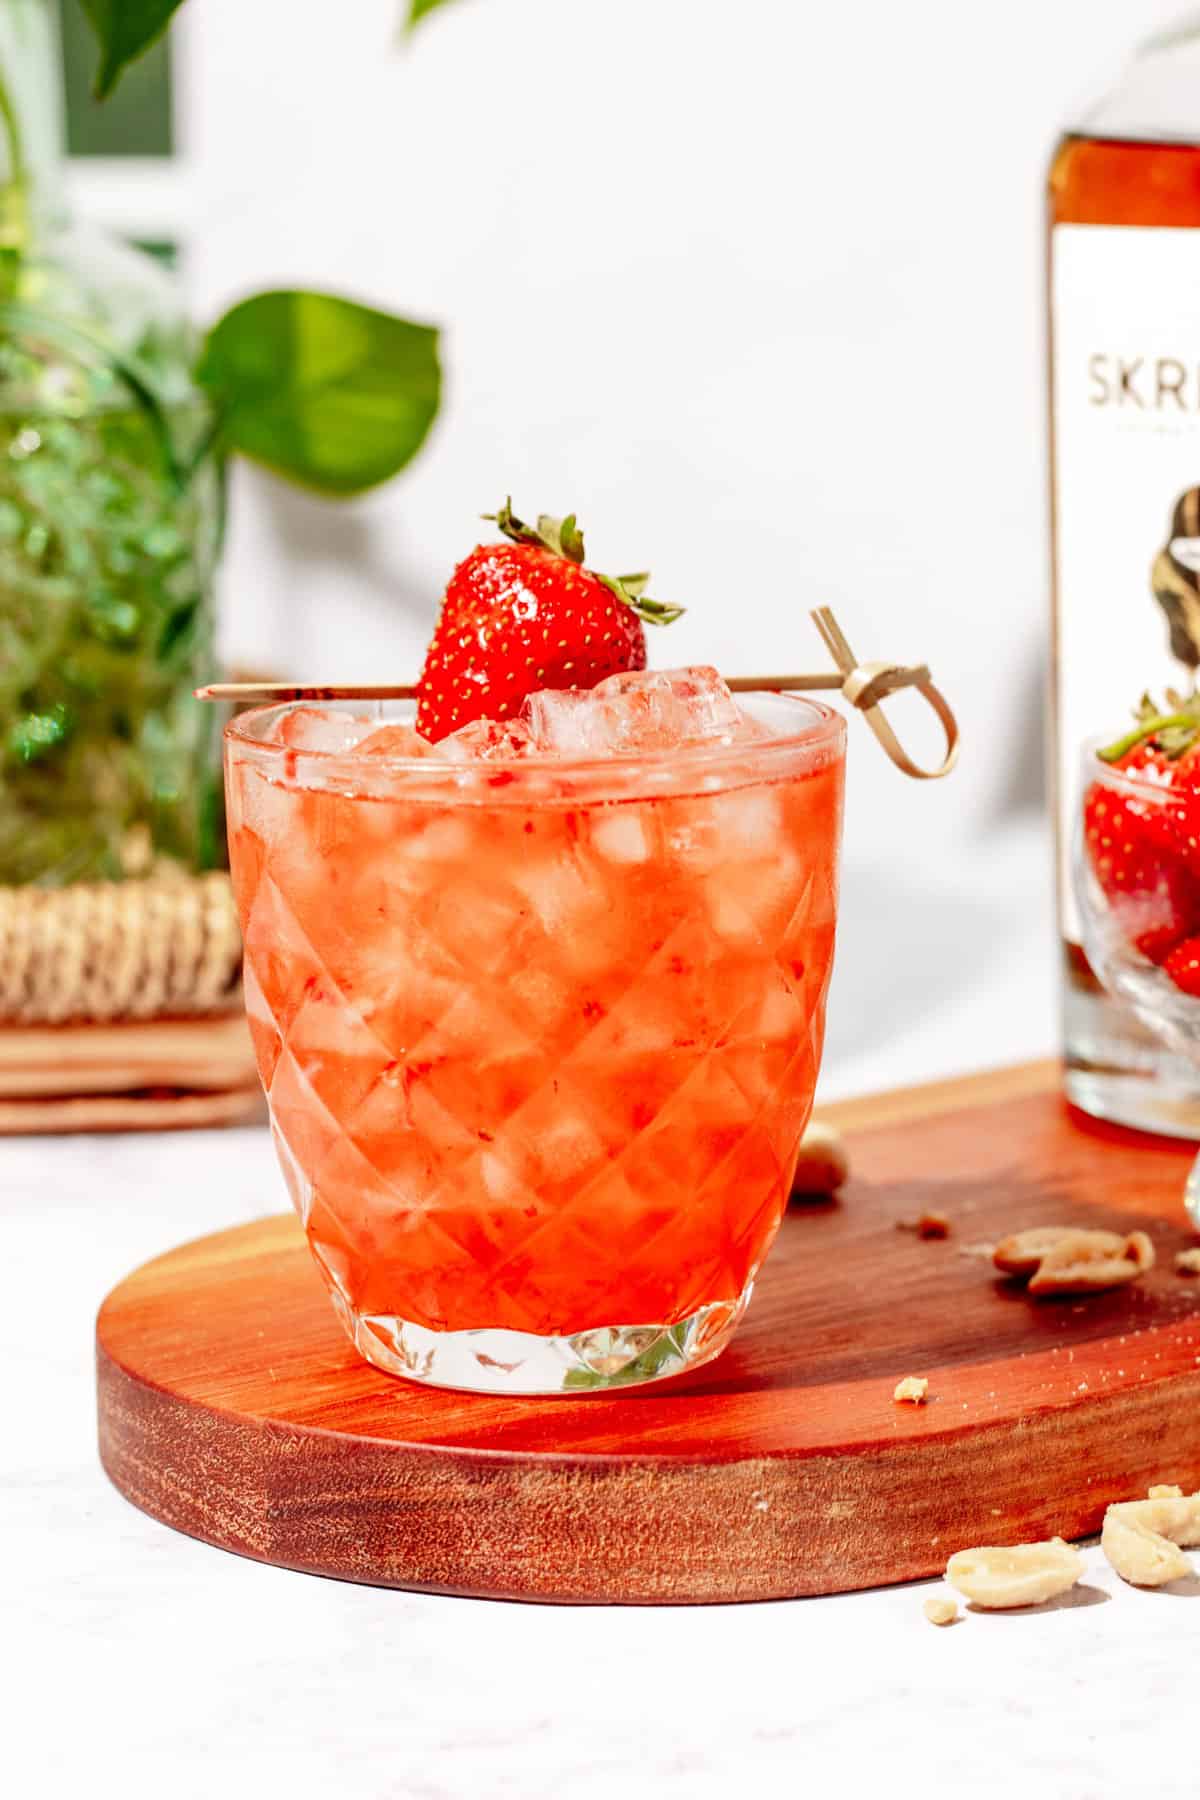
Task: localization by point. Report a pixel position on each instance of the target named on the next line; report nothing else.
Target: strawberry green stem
(564, 538)
(1148, 729)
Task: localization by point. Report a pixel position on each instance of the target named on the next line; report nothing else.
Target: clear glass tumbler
(539, 1037)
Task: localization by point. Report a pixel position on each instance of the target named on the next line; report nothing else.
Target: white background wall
(755, 287)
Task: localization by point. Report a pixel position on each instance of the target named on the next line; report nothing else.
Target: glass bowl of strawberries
(1137, 874)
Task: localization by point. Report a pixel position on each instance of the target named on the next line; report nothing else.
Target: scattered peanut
(927, 1225)
(913, 1389)
(1022, 1253)
(1187, 1262)
(1061, 1259)
(1075, 1268)
(823, 1164)
(997, 1576)
(1142, 1538)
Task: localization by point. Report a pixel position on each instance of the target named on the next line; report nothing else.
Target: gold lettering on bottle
(1165, 367)
(1164, 384)
(1126, 375)
(1098, 378)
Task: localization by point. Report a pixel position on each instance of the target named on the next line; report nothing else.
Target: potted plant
(118, 420)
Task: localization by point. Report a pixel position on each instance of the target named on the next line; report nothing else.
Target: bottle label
(1125, 316)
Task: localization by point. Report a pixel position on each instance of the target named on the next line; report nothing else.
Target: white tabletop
(126, 1647)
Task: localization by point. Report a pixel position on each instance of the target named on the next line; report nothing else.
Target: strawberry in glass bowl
(1137, 874)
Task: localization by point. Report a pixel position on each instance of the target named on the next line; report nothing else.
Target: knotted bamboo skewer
(863, 685)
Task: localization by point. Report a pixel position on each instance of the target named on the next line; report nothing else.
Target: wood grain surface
(232, 1407)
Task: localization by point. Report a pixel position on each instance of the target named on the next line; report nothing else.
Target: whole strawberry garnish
(524, 615)
(1183, 966)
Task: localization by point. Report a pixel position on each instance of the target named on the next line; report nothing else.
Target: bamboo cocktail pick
(863, 685)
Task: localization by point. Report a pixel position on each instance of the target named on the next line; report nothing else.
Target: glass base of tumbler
(494, 1361)
(1113, 1067)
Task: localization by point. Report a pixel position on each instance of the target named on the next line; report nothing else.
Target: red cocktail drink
(538, 1011)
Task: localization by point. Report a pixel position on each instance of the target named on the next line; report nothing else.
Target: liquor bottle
(1124, 291)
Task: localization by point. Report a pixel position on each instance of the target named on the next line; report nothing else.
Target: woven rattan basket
(120, 1006)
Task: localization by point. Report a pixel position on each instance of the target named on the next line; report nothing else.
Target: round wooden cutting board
(233, 1408)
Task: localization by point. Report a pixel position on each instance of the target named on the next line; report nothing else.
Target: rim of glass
(1120, 779)
(826, 731)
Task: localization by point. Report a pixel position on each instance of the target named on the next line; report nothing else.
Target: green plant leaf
(125, 28)
(330, 394)
(420, 9)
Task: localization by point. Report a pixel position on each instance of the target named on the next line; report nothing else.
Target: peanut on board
(926, 1225)
(823, 1164)
(1075, 1268)
(1022, 1253)
(1065, 1259)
